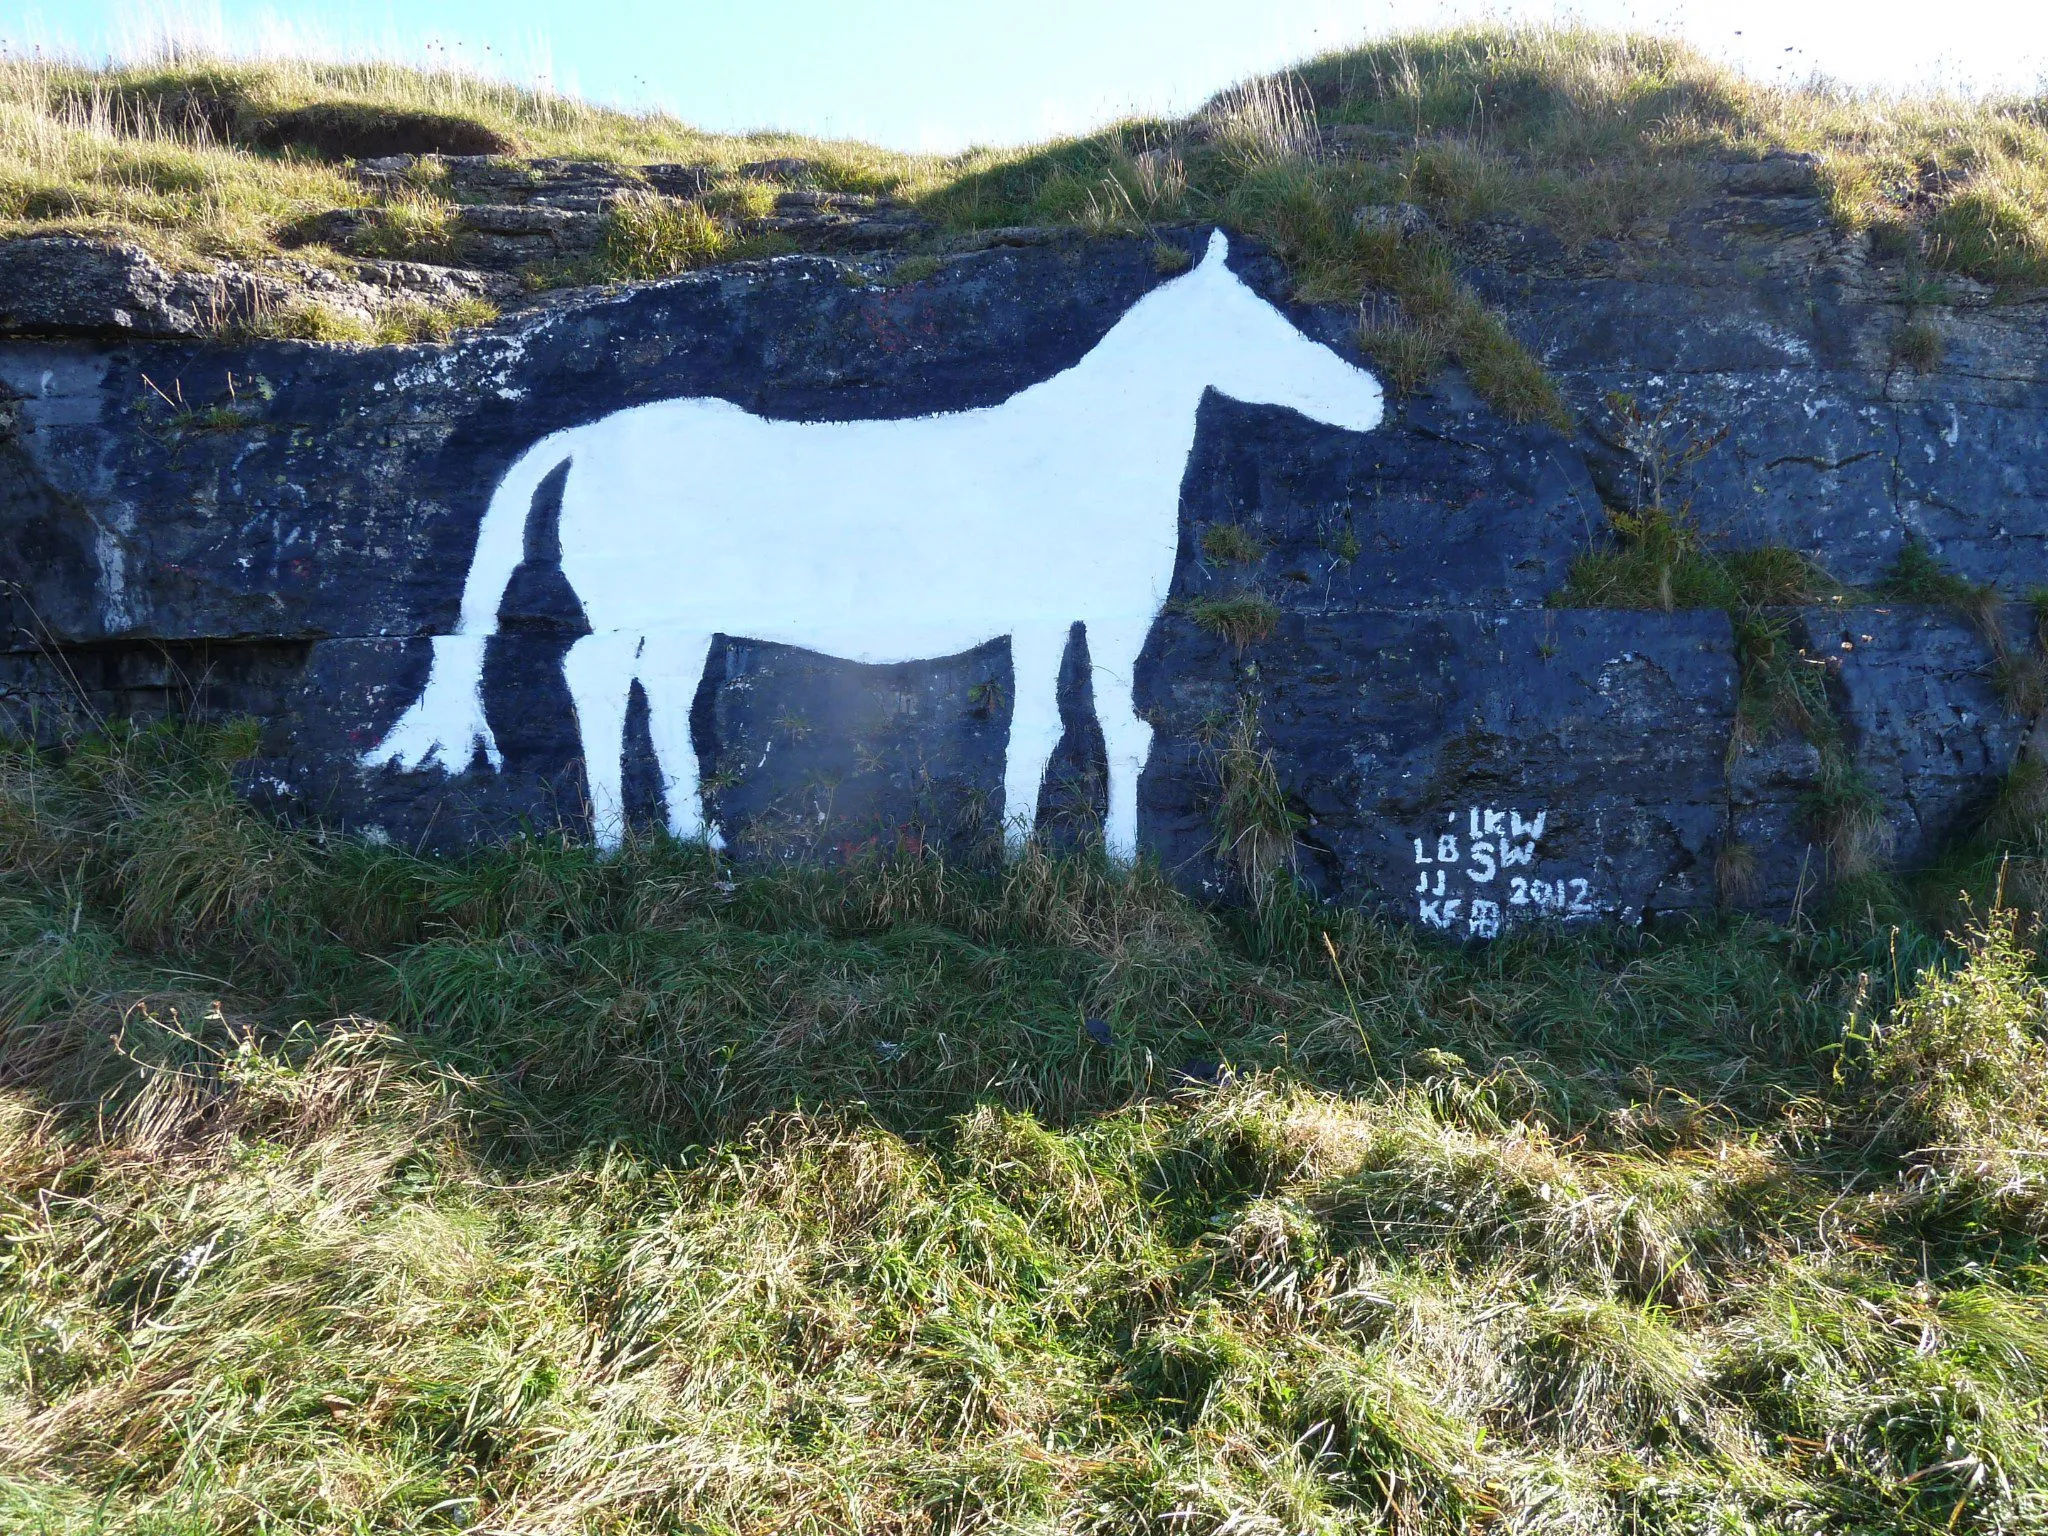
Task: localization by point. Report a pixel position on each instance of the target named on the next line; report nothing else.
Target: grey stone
(66, 286)
(1917, 692)
(69, 285)
(1784, 174)
(522, 219)
(437, 284)
(1404, 219)
(280, 543)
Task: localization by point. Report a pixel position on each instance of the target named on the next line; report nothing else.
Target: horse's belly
(712, 584)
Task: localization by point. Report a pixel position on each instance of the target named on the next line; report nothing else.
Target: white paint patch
(112, 559)
(883, 541)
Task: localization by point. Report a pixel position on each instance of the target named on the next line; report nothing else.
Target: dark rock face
(1927, 731)
(1752, 324)
(276, 528)
(1471, 769)
(1762, 351)
(1917, 696)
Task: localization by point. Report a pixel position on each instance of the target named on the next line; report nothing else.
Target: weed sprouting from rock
(1255, 827)
(1231, 544)
(1919, 345)
(1243, 617)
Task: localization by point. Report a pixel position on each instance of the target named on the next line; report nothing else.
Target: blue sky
(926, 74)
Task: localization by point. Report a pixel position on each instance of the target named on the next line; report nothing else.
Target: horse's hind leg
(599, 672)
(671, 668)
(1126, 738)
(1034, 727)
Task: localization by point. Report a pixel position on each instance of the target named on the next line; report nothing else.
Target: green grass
(645, 1194)
(1601, 135)
(1659, 560)
(1231, 544)
(417, 321)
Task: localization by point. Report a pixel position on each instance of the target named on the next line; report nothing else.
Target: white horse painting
(883, 541)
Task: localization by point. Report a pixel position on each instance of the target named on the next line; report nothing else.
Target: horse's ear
(1218, 252)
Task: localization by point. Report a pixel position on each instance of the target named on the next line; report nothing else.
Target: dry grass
(1595, 135)
(176, 154)
(1266, 123)
(1255, 827)
(1960, 1066)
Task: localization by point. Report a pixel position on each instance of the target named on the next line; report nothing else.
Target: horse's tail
(447, 720)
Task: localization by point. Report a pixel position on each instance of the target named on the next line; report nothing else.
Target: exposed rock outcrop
(274, 527)
(517, 230)
(67, 285)
(1751, 323)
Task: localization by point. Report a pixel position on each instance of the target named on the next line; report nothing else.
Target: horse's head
(1251, 352)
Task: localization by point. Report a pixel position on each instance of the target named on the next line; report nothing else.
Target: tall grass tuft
(1960, 1065)
(1266, 123)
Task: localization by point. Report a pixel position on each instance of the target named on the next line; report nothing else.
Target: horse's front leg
(671, 670)
(1034, 727)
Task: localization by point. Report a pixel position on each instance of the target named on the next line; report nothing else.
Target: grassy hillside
(1594, 135)
(345, 1190)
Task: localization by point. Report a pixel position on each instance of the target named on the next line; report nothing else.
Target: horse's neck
(1138, 377)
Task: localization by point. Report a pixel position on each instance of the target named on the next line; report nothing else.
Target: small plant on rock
(1231, 544)
(1918, 345)
(1243, 618)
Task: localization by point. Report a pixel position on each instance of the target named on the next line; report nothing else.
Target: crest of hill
(1596, 135)
(1367, 171)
